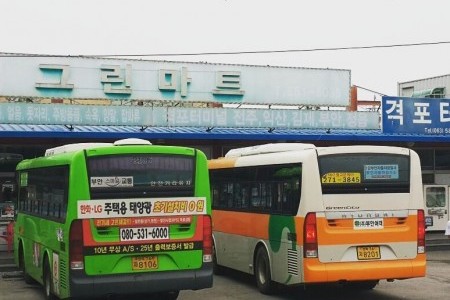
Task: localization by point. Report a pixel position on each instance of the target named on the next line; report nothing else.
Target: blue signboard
(425, 116)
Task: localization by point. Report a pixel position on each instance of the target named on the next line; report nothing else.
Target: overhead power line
(231, 52)
(369, 90)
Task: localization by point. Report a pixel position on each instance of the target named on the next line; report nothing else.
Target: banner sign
(425, 116)
(154, 207)
(125, 79)
(66, 114)
(97, 115)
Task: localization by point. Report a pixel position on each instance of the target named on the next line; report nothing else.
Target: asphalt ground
(435, 286)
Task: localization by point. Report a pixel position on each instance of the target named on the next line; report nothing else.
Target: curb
(12, 275)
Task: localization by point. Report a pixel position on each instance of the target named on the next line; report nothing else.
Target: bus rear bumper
(317, 272)
(84, 286)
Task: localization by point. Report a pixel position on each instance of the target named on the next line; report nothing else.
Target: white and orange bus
(294, 214)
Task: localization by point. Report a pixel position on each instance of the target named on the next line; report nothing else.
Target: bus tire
(217, 269)
(47, 282)
(262, 272)
(26, 277)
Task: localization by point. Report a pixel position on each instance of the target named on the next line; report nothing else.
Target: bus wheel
(217, 269)
(26, 277)
(262, 272)
(48, 285)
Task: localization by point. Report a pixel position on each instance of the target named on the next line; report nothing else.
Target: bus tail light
(207, 239)
(76, 245)
(310, 249)
(420, 231)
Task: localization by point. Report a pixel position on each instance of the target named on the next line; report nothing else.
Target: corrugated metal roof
(201, 133)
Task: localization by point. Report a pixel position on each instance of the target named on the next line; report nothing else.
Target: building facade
(50, 101)
(433, 87)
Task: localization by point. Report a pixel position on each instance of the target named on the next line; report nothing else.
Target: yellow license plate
(344, 178)
(144, 263)
(368, 252)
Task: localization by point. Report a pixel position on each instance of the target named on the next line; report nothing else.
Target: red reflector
(207, 239)
(310, 248)
(207, 235)
(76, 245)
(420, 231)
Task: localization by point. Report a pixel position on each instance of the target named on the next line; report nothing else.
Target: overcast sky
(98, 27)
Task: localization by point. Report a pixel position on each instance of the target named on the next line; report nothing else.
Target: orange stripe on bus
(241, 223)
(256, 225)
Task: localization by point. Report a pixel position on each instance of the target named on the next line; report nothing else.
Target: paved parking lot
(235, 285)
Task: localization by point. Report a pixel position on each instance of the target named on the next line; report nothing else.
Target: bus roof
(268, 148)
(84, 146)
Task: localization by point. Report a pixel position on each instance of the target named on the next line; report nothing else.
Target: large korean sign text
(427, 116)
(115, 79)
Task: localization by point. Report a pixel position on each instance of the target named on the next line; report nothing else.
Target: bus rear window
(364, 173)
(141, 175)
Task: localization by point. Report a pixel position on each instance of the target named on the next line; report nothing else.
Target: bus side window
(229, 195)
(277, 203)
(223, 200)
(239, 195)
(245, 195)
(45, 192)
(291, 197)
(287, 179)
(255, 198)
(215, 195)
(266, 195)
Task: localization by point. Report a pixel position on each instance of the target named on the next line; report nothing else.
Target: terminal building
(49, 101)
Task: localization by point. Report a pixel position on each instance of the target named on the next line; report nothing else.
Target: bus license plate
(144, 233)
(144, 263)
(342, 178)
(368, 252)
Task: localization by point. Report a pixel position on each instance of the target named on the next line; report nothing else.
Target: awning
(201, 133)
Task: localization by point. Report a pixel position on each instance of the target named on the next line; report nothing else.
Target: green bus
(118, 218)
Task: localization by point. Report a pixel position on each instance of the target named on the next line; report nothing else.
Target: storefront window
(426, 158)
(442, 159)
